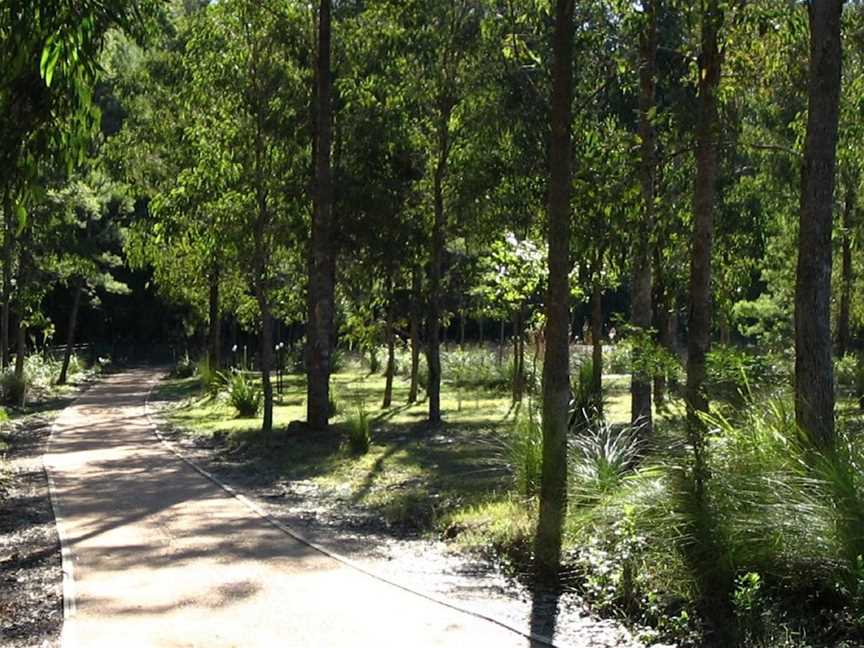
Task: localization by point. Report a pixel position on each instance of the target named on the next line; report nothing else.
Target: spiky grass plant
(359, 430)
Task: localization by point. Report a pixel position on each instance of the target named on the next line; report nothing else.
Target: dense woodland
(529, 196)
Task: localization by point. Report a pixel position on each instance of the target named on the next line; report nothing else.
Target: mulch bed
(31, 597)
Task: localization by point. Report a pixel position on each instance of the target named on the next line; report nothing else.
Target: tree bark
(9, 226)
(641, 312)
(70, 334)
(814, 372)
(597, 334)
(214, 342)
(556, 366)
(266, 361)
(415, 334)
(433, 326)
(322, 261)
(847, 275)
(699, 317)
(390, 334)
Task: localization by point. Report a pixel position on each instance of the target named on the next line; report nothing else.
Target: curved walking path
(161, 556)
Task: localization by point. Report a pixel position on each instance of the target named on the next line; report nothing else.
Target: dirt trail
(161, 556)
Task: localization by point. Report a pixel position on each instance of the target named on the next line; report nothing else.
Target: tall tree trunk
(699, 321)
(21, 336)
(433, 326)
(322, 262)
(847, 276)
(70, 334)
(556, 365)
(715, 581)
(640, 316)
(500, 342)
(390, 334)
(214, 342)
(663, 326)
(814, 373)
(8, 229)
(266, 361)
(597, 333)
(518, 386)
(415, 334)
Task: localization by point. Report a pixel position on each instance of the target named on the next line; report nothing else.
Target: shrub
(601, 455)
(845, 371)
(185, 368)
(243, 394)
(526, 450)
(359, 430)
(13, 390)
(733, 374)
(586, 403)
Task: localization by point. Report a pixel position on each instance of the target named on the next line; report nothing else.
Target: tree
(556, 363)
(321, 256)
(814, 383)
(641, 282)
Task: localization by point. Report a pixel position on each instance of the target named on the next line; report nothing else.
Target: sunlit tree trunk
(641, 312)
(214, 343)
(814, 379)
(70, 334)
(433, 325)
(322, 260)
(556, 365)
(699, 320)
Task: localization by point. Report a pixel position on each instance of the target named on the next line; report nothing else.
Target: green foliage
(243, 394)
(845, 371)
(601, 456)
(525, 450)
(733, 373)
(586, 403)
(185, 367)
(13, 390)
(359, 429)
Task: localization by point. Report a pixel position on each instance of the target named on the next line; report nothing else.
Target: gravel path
(163, 557)
(333, 519)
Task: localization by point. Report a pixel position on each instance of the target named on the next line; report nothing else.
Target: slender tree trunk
(433, 326)
(814, 372)
(70, 334)
(699, 324)
(847, 276)
(322, 261)
(8, 229)
(662, 324)
(556, 365)
(214, 342)
(518, 385)
(266, 361)
(641, 312)
(391, 347)
(21, 336)
(415, 334)
(597, 333)
(501, 342)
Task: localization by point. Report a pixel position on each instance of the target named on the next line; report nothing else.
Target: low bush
(184, 368)
(13, 390)
(525, 450)
(243, 394)
(359, 430)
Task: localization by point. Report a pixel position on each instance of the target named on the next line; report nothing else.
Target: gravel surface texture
(332, 519)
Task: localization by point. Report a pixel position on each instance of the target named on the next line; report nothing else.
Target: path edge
(301, 538)
(67, 561)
